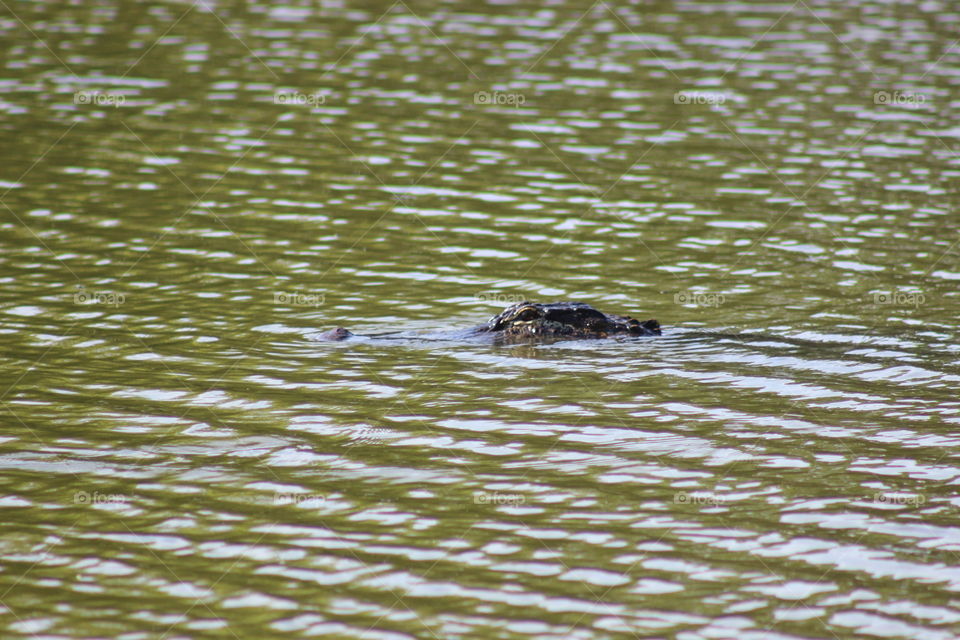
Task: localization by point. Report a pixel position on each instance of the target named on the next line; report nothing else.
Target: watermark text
(908, 499)
(495, 497)
(85, 497)
(99, 98)
(299, 99)
(899, 298)
(699, 299)
(510, 99)
(111, 298)
(697, 499)
(906, 99)
(297, 299)
(299, 499)
(699, 97)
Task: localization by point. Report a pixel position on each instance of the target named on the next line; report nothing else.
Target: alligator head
(532, 320)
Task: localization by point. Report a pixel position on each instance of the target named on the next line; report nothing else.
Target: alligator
(539, 322)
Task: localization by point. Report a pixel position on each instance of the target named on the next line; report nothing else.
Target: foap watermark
(698, 499)
(699, 97)
(110, 298)
(495, 497)
(85, 497)
(99, 98)
(369, 435)
(502, 298)
(899, 298)
(299, 499)
(902, 499)
(510, 99)
(699, 299)
(299, 99)
(907, 99)
(297, 299)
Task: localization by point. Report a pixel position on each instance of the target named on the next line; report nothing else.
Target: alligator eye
(527, 313)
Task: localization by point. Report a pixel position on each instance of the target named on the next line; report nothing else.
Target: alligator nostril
(335, 335)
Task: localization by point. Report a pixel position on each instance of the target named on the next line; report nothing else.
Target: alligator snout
(335, 335)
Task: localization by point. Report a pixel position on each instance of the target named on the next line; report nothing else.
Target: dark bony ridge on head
(535, 320)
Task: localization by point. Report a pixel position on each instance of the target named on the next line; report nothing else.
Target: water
(189, 192)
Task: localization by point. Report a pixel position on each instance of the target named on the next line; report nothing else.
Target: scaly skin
(527, 321)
